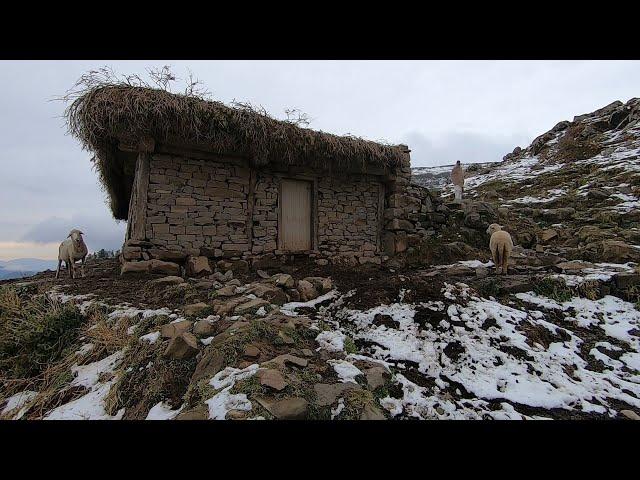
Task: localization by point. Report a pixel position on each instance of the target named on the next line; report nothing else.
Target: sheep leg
(58, 270)
(72, 269)
(497, 261)
(505, 262)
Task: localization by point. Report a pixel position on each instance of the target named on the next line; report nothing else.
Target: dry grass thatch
(106, 112)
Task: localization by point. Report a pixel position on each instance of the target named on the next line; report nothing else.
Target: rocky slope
(437, 342)
(575, 191)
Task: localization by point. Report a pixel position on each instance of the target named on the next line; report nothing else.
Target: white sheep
(501, 246)
(70, 251)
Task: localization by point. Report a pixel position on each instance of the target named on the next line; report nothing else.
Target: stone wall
(198, 205)
(224, 209)
(349, 218)
(408, 215)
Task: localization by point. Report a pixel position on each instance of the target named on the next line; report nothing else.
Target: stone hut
(199, 178)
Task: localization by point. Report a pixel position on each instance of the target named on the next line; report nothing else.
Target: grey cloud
(464, 146)
(100, 231)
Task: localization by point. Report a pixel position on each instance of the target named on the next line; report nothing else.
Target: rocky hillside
(575, 191)
(437, 342)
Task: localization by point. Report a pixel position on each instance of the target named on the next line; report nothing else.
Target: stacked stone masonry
(223, 209)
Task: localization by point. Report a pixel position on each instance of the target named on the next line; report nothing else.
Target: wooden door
(295, 215)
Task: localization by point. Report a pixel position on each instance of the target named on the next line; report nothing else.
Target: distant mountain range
(24, 267)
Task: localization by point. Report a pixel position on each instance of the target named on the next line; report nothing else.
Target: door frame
(314, 212)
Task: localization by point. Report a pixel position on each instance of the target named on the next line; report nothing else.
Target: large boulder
(252, 306)
(619, 252)
(212, 362)
(328, 393)
(167, 268)
(283, 280)
(295, 408)
(555, 215)
(205, 328)
(236, 266)
(166, 281)
(135, 267)
(226, 291)
(268, 292)
(171, 330)
(197, 266)
(307, 291)
(194, 308)
(226, 306)
(321, 284)
(182, 347)
(271, 378)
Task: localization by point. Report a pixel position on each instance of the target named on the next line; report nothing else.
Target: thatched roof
(104, 116)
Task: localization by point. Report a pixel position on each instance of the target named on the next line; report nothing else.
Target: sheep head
(494, 227)
(76, 236)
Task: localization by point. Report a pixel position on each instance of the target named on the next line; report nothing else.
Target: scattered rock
(547, 235)
(182, 347)
(556, 215)
(160, 266)
(482, 272)
(204, 328)
(201, 412)
(459, 271)
(597, 194)
(170, 330)
(573, 266)
(235, 266)
(251, 351)
(236, 415)
(386, 320)
(619, 252)
(371, 412)
(226, 307)
(328, 393)
(194, 309)
(272, 378)
(226, 291)
(322, 285)
(295, 408)
(196, 266)
(283, 280)
(268, 292)
(286, 339)
(263, 274)
(251, 306)
(630, 414)
(170, 280)
(626, 280)
(135, 267)
(307, 352)
(377, 376)
(288, 358)
(212, 362)
(307, 291)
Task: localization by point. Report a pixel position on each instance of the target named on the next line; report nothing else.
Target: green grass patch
(554, 288)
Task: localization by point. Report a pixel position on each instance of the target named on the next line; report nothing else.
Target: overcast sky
(473, 111)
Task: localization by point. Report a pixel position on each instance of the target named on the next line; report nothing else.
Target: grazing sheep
(70, 251)
(500, 245)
